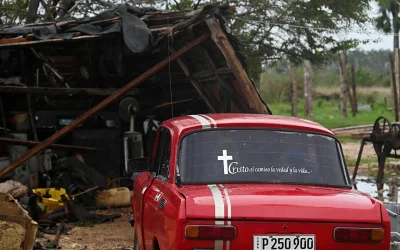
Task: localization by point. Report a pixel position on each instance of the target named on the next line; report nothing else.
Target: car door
(156, 195)
(141, 186)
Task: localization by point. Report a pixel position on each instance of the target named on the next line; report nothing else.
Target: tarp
(137, 36)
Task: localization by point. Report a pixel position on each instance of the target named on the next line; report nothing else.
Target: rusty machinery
(385, 138)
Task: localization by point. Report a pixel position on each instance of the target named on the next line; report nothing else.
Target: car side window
(165, 157)
(157, 158)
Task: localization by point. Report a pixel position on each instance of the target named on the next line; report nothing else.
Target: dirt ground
(111, 235)
(119, 234)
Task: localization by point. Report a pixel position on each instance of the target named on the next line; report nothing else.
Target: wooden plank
(196, 84)
(223, 83)
(253, 98)
(360, 135)
(62, 91)
(27, 143)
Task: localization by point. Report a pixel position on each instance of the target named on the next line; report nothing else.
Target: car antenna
(178, 177)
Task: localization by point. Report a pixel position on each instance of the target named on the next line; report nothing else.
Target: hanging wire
(169, 71)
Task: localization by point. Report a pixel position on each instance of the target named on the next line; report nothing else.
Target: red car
(256, 182)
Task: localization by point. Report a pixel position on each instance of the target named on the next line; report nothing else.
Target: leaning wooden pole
(100, 106)
(293, 89)
(397, 75)
(343, 84)
(393, 85)
(308, 106)
(354, 90)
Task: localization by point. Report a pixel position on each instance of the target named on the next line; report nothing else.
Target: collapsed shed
(76, 82)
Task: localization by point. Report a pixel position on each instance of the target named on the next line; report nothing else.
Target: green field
(275, 91)
(327, 113)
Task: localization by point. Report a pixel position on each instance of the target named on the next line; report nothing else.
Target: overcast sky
(386, 41)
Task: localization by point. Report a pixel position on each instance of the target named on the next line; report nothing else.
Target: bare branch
(177, 5)
(196, 5)
(32, 11)
(48, 11)
(104, 3)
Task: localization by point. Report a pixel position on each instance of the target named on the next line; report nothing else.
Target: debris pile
(81, 99)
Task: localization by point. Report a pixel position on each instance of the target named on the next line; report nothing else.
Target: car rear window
(260, 156)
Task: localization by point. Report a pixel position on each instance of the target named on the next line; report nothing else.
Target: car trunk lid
(277, 202)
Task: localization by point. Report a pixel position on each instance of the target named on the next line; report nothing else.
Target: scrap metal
(96, 62)
(385, 138)
(37, 149)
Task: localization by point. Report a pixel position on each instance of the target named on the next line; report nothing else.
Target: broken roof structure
(171, 63)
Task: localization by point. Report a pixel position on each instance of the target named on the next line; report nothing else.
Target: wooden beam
(120, 92)
(228, 87)
(253, 98)
(55, 146)
(50, 41)
(208, 74)
(62, 91)
(196, 84)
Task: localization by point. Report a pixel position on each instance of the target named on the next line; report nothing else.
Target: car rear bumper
(324, 237)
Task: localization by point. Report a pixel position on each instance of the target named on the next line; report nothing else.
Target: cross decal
(225, 158)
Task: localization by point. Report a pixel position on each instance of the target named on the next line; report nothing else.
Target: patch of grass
(370, 161)
(327, 113)
(344, 139)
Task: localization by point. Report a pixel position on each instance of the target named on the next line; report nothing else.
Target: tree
(268, 30)
(389, 20)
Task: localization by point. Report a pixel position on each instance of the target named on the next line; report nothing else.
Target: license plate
(284, 242)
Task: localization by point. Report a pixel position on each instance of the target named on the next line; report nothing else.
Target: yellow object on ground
(115, 197)
(51, 197)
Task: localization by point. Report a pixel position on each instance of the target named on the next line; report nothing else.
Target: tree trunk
(395, 13)
(354, 87)
(343, 84)
(308, 109)
(293, 89)
(349, 89)
(32, 11)
(395, 100)
(65, 5)
(397, 78)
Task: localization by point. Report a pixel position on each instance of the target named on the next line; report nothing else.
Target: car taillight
(359, 234)
(210, 232)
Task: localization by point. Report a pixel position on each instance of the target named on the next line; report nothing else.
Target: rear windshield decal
(234, 168)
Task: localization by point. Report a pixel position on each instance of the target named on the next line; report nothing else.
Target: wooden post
(293, 89)
(308, 109)
(396, 70)
(349, 92)
(354, 87)
(343, 84)
(393, 85)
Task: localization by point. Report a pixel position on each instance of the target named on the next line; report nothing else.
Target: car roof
(184, 124)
